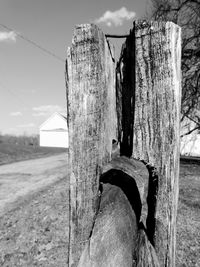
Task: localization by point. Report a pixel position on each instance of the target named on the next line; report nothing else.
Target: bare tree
(185, 13)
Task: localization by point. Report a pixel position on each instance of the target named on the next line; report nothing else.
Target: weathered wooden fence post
(92, 127)
(150, 87)
(148, 107)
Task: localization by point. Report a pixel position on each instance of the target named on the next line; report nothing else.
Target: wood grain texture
(114, 235)
(145, 252)
(156, 122)
(91, 102)
(136, 171)
(147, 126)
(150, 74)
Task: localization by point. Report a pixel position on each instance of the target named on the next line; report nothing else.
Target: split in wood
(118, 217)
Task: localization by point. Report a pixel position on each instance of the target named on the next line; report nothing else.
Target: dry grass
(36, 232)
(13, 148)
(188, 224)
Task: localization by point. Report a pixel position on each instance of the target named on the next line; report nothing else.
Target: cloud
(28, 125)
(47, 110)
(16, 113)
(116, 18)
(8, 36)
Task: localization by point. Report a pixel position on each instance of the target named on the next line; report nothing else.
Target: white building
(190, 143)
(54, 132)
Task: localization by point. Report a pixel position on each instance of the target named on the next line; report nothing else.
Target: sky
(32, 81)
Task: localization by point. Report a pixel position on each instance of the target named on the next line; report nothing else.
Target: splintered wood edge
(134, 168)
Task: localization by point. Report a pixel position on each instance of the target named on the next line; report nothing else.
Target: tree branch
(198, 127)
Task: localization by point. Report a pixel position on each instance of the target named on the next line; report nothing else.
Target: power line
(19, 99)
(33, 43)
(116, 35)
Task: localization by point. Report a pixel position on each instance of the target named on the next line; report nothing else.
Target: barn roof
(56, 113)
(63, 116)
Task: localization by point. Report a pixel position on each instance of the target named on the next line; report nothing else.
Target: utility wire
(48, 51)
(116, 35)
(33, 43)
(16, 96)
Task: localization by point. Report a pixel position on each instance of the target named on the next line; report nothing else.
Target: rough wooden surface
(114, 234)
(156, 123)
(90, 79)
(149, 73)
(134, 168)
(137, 173)
(145, 252)
(148, 107)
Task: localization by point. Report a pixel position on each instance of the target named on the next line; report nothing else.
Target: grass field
(14, 149)
(188, 224)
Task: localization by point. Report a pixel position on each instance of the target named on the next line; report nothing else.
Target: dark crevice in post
(69, 238)
(98, 202)
(67, 91)
(127, 185)
(67, 99)
(113, 59)
(125, 72)
(151, 202)
(118, 76)
(115, 148)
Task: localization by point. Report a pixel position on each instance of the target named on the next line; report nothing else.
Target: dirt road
(20, 179)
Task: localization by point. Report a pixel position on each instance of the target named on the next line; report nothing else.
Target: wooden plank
(90, 80)
(136, 171)
(114, 235)
(156, 123)
(149, 76)
(145, 252)
(134, 168)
